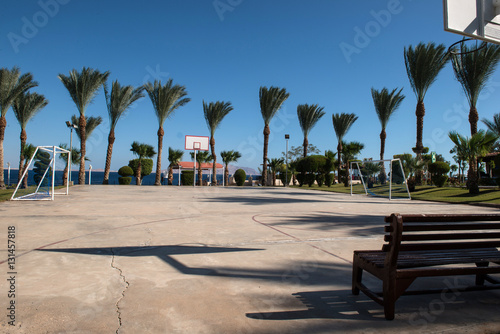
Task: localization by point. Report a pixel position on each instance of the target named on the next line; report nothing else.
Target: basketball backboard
(479, 19)
(199, 143)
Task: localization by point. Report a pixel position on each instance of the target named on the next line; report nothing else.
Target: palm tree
(174, 157)
(82, 87)
(473, 69)
(477, 145)
(271, 99)
(28, 151)
(142, 151)
(166, 99)
(227, 158)
(90, 124)
(308, 115)
(423, 64)
(201, 158)
(275, 164)
(118, 102)
(493, 126)
(25, 107)
(75, 159)
(12, 84)
(341, 124)
(214, 114)
(349, 152)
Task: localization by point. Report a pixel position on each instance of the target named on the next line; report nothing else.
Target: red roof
(190, 165)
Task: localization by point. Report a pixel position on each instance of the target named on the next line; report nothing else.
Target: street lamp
(71, 126)
(287, 136)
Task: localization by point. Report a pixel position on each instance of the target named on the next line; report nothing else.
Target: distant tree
(142, 151)
(297, 152)
(28, 151)
(341, 124)
(275, 165)
(227, 158)
(75, 159)
(271, 99)
(174, 157)
(201, 158)
(308, 116)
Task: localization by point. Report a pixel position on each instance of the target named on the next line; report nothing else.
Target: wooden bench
(429, 246)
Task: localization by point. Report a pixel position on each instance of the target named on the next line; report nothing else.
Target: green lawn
(430, 193)
(6, 194)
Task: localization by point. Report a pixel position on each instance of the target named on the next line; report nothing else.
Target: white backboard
(473, 18)
(199, 143)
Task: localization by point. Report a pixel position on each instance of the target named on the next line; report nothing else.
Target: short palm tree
(271, 99)
(91, 123)
(25, 107)
(349, 152)
(473, 69)
(477, 145)
(143, 151)
(423, 64)
(227, 158)
(165, 99)
(493, 126)
(341, 124)
(308, 115)
(12, 84)
(275, 164)
(82, 87)
(28, 151)
(201, 158)
(174, 157)
(75, 159)
(118, 102)
(214, 114)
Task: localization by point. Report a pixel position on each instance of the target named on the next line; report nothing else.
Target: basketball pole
(194, 172)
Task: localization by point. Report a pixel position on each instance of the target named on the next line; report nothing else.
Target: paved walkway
(130, 259)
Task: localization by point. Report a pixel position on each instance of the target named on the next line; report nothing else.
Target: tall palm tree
(201, 158)
(227, 158)
(75, 159)
(308, 115)
(118, 102)
(214, 114)
(82, 87)
(174, 157)
(165, 99)
(423, 64)
(493, 126)
(271, 99)
(341, 124)
(275, 164)
(25, 107)
(91, 123)
(473, 69)
(477, 145)
(143, 151)
(385, 105)
(12, 84)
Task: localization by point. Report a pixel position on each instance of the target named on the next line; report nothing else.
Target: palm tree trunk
(226, 175)
(170, 174)
(200, 174)
(111, 141)
(82, 124)
(158, 158)
(420, 113)
(339, 154)
(65, 175)
(23, 137)
(138, 174)
(267, 132)
(473, 118)
(274, 179)
(214, 167)
(472, 182)
(3, 125)
(383, 136)
(305, 144)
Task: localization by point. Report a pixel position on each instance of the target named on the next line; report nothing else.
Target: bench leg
(480, 278)
(389, 298)
(357, 274)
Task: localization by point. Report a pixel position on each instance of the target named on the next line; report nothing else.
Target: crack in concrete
(127, 284)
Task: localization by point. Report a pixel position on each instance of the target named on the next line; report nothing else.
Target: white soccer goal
(380, 178)
(43, 166)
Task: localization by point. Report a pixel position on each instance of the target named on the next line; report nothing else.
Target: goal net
(380, 178)
(44, 175)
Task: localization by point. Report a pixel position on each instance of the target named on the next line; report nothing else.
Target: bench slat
(447, 218)
(450, 227)
(447, 236)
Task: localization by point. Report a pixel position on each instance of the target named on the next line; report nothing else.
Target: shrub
(146, 166)
(440, 180)
(329, 177)
(124, 180)
(439, 171)
(310, 178)
(283, 179)
(239, 177)
(125, 171)
(320, 178)
(187, 177)
(301, 177)
(314, 164)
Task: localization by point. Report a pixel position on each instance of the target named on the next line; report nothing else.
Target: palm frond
(342, 123)
(423, 64)
(13, 84)
(91, 123)
(142, 150)
(166, 98)
(202, 156)
(27, 105)
(174, 156)
(271, 99)
(308, 116)
(386, 103)
(230, 156)
(120, 100)
(493, 126)
(214, 113)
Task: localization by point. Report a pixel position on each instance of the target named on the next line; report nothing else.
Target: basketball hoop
(453, 51)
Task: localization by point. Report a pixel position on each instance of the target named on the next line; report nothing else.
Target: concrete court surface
(128, 259)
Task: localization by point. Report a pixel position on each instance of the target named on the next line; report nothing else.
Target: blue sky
(323, 52)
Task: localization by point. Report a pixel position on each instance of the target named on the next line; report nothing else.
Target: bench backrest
(439, 232)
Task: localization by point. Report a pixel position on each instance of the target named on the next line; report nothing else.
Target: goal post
(379, 178)
(43, 164)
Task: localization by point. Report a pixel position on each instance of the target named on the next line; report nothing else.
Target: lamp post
(71, 126)
(287, 136)
(8, 174)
